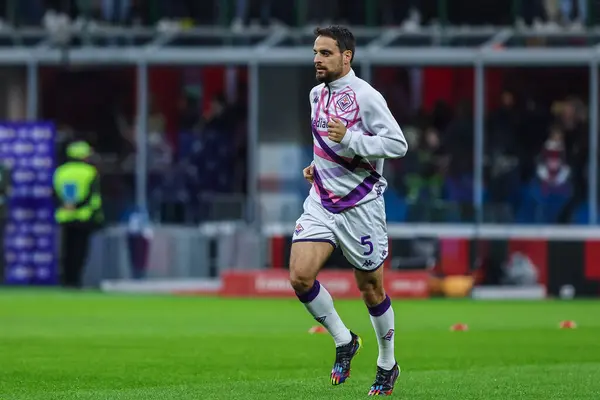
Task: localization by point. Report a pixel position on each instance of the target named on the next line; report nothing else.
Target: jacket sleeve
(384, 139)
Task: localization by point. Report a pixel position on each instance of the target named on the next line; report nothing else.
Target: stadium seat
(459, 189)
(395, 206)
(582, 213)
(542, 206)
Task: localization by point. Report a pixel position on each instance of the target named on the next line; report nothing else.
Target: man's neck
(344, 75)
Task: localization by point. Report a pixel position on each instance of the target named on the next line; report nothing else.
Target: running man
(353, 132)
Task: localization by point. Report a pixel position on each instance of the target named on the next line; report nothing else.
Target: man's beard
(329, 76)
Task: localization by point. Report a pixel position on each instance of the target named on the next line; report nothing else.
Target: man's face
(329, 61)
(508, 100)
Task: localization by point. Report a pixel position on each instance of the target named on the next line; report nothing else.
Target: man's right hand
(308, 173)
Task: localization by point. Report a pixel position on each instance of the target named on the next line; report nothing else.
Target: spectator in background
(551, 188)
(217, 116)
(156, 119)
(116, 11)
(406, 13)
(571, 120)
(573, 12)
(459, 134)
(441, 115)
(459, 137)
(425, 174)
(189, 112)
(189, 12)
(503, 125)
(553, 171)
(59, 6)
(534, 13)
(531, 136)
(212, 156)
(501, 172)
(552, 8)
(238, 112)
(247, 11)
(553, 13)
(459, 187)
(159, 149)
(125, 128)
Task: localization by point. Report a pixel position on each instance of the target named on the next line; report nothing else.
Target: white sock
(319, 303)
(382, 318)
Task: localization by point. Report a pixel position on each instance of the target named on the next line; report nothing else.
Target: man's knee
(305, 262)
(373, 295)
(301, 280)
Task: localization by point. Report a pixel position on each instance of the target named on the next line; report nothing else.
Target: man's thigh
(362, 235)
(313, 242)
(306, 260)
(314, 225)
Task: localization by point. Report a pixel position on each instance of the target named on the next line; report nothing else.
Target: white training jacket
(349, 173)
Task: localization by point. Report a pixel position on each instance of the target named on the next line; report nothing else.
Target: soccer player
(353, 132)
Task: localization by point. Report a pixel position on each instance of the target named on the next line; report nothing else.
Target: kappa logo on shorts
(345, 102)
(368, 264)
(389, 335)
(299, 229)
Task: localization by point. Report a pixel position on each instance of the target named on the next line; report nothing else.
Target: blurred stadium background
(198, 115)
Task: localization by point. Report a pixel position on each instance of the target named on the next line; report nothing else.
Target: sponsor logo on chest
(320, 123)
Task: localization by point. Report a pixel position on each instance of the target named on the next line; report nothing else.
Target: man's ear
(347, 56)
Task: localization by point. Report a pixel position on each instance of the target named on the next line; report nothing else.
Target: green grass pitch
(64, 345)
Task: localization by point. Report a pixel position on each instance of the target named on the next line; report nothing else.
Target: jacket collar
(342, 82)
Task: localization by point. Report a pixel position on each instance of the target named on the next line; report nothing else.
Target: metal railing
(225, 10)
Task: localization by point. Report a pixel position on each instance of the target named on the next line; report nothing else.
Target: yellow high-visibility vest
(80, 199)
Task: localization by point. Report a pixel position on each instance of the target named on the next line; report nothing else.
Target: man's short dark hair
(342, 35)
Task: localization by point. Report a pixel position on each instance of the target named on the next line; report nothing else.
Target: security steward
(79, 209)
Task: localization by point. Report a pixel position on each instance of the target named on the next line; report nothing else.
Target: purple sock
(311, 294)
(381, 308)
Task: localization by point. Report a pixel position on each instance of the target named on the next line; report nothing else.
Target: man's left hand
(336, 130)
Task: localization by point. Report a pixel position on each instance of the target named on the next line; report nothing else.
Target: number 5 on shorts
(365, 241)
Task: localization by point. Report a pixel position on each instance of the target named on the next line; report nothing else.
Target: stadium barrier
(274, 284)
(223, 258)
(341, 284)
(565, 258)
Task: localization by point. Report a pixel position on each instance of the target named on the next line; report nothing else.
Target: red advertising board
(341, 284)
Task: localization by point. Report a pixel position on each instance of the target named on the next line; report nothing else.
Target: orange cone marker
(459, 327)
(568, 325)
(317, 329)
